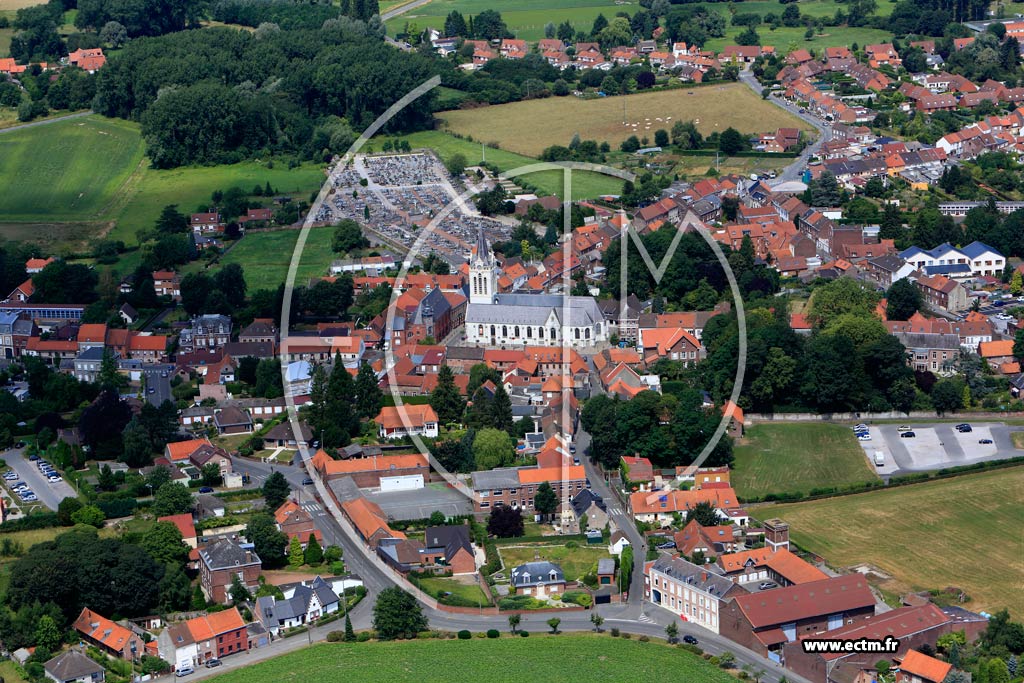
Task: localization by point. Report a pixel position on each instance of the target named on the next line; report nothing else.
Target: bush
(362, 637)
(493, 633)
(614, 632)
(581, 598)
(335, 636)
(626, 636)
(524, 634)
(465, 635)
(695, 649)
(644, 639)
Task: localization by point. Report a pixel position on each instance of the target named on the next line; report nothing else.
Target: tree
(314, 555)
(947, 395)
(493, 448)
(513, 622)
(501, 409)
(505, 522)
(397, 614)
(748, 37)
(348, 236)
(268, 542)
(67, 507)
(171, 221)
(198, 599)
(276, 490)
(102, 422)
(445, 399)
(997, 671)
(164, 544)
(545, 502)
(553, 623)
(661, 137)
(369, 397)
(731, 141)
(350, 635)
(171, 499)
(596, 619)
(238, 592)
(903, 300)
(114, 34)
(704, 513)
(672, 632)
(456, 164)
(295, 554)
(48, 635)
(455, 24)
(138, 449)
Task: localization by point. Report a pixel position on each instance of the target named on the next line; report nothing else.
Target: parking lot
(936, 446)
(49, 494)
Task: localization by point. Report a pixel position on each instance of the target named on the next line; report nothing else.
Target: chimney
(703, 576)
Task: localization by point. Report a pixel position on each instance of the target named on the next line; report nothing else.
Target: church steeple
(483, 278)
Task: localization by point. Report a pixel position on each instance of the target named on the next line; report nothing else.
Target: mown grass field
(527, 19)
(585, 185)
(529, 127)
(5, 41)
(786, 39)
(266, 255)
(537, 659)
(467, 591)
(52, 172)
(575, 562)
(787, 458)
(963, 532)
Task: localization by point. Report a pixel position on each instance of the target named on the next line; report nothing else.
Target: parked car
(766, 585)
(690, 640)
(908, 435)
(31, 457)
(184, 671)
(205, 489)
(903, 428)
(21, 444)
(985, 441)
(308, 481)
(964, 428)
(860, 426)
(54, 478)
(213, 663)
(864, 437)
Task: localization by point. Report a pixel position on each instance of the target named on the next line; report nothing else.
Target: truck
(879, 458)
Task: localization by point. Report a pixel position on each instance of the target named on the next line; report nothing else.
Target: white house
(302, 604)
(691, 591)
(976, 259)
(395, 422)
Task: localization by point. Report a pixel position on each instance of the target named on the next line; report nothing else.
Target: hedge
(38, 520)
(121, 507)
(760, 155)
(540, 539)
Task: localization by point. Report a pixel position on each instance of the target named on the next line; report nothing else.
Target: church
(494, 319)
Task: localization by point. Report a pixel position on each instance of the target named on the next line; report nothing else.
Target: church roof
(536, 309)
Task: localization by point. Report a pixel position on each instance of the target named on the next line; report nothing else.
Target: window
(504, 330)
(517, 331)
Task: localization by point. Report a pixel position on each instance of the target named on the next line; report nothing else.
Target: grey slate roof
(71, 665)
(701, 577)
(535, 309)
(225, 554)
(537, 574)
(606, 566)
(451, 538)
(582, 501)
(502, 478)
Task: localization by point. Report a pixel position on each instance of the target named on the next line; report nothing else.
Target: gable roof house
(220, 562)
(218, 634)
(304, 605)
(296, 522)
(452, 545)
(538, 578)
(73, 667)
(112, 638)
(693, 592)
(765, 621)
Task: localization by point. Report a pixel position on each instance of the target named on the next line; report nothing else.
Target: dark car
(985, 441)
(307, 481)
(690, 640)
(32, 457)
(964, 428)
(212, 663)
(21, 444)
(205, 489)
(908, 435)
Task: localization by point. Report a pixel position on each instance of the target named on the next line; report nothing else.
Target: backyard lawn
(471, 592)
(790, 458)
(962, 532)
(538, 659)
(575, 562)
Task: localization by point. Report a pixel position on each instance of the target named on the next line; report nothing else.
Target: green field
(526, 19)
(51, 172)
(786, 39)
(517, 126)
(575, 562)
(787, 458)
(585, 184)
(963, 532)
(5, 41)
(265, 257)
(537, 659)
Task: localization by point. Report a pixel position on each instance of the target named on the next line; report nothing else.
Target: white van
(879, 458)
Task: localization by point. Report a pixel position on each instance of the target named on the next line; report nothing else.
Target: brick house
(223, 560)
(205, 332)
(296, 522)
(940, 292)
(111, 638)
(518, 486)
(537, 578)
(218, 634)
(764, 622)
(686, 589)
(367, 472)
(913, 626)
(916, 667)
(452, 547)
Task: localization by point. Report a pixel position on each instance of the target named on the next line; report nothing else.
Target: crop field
(50, 172)
(14, 5)
(962, 532)
(585, 185)
(538, 659)
(787, 458)
(529, 127)
(527, 19)
(575, 562)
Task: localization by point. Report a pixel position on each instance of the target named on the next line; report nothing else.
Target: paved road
(49, 494)
(33, 124)
(402, 9)
(795, 170)
(159, 383)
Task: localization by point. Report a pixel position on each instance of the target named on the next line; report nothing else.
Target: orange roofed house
(374, 471)
(394, 422)
(296, 522)
(112, 638)
(218, 634)
(659, 506)
(517, 486)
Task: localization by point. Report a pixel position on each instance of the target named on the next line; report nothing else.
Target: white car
(864, 437)
(55, 478)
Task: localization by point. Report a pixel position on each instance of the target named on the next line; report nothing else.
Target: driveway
(49, 494)
(937, 445)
